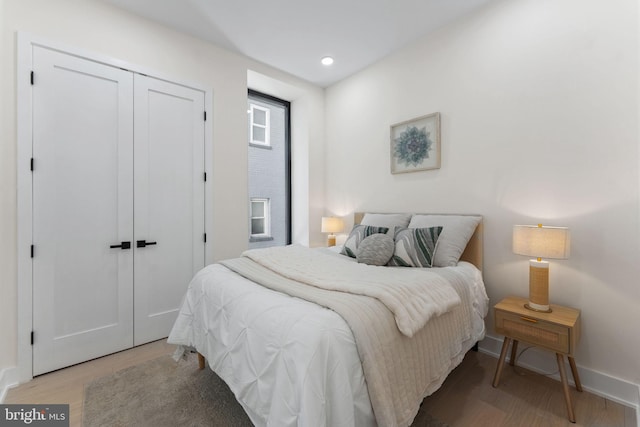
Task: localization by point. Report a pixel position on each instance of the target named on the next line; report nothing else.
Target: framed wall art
(415, 144)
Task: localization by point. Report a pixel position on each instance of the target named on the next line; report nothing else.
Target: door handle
(122, 245)
(144, 243)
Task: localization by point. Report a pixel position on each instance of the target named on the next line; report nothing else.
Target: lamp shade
(541, 242)
(331, 224)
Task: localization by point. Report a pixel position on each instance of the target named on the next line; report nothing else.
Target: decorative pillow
(456, 232)
(376, 249)
(357, 235)
(415, 247)
(390, 221)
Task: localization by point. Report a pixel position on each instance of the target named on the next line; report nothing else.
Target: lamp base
(331, 240)
(538, 286)
(528, 307)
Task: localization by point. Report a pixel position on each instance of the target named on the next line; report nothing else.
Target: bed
(325, 339)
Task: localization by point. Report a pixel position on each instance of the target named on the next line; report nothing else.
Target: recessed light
(327, 60)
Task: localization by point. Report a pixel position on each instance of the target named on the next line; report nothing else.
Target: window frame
(266, 126)
(263, 97)
(266, 217)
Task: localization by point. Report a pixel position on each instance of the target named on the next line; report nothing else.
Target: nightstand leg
(503, 355)
(514, 353)
(565, 387)
(200, 361)
(574, 371)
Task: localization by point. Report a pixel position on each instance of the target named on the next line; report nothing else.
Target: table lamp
(331, 225)
(540, 242)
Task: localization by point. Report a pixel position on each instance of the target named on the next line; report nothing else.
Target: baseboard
(598, 383)
(638, 408)
(8, 379)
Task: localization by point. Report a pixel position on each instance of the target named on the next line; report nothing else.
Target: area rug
(161, 392)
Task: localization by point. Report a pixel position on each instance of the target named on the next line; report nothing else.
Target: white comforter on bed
(401, 290)
(288, 361)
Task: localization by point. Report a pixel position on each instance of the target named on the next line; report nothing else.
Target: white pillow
(391, 221)
(456, 232)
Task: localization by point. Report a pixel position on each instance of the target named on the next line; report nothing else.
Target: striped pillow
(357, 235)
(415, 247)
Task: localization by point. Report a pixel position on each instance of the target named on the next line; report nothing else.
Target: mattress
(292, 362)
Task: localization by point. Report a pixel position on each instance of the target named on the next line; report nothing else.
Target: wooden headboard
(472, 253)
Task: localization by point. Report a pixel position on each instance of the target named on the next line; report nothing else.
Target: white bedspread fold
(412, 295)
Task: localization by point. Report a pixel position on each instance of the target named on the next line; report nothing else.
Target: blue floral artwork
(413, 146)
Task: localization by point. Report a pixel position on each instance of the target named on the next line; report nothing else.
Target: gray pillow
(376, 249)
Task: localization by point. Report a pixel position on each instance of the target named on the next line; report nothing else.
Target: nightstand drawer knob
(528, 319)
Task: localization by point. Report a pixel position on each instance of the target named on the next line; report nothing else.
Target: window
(260, 218)
(269, 170)
(260, 126)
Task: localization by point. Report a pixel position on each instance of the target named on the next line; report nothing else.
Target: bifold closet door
(169, 201)
(82, 207)
(118, 206)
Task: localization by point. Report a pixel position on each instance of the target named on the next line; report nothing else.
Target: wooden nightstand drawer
(540, 333)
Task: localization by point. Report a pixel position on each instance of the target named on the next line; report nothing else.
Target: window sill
(260, 239)
(264, 147)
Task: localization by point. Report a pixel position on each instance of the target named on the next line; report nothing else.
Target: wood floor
(465, 399)
(523, 398)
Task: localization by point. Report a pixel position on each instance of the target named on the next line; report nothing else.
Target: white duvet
(401, 290)
(289, 362)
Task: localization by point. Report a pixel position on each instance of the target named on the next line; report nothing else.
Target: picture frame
(415, 144)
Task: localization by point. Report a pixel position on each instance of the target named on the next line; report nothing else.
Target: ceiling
(293, 35)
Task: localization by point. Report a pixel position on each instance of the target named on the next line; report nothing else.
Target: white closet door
(169, 201)
(82, 204)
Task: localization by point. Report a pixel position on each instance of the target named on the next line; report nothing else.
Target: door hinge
(32, 78)
(31, 164)
(205, 177)
(205, 237)
(32, 249)
(31, 337)
(205, 116)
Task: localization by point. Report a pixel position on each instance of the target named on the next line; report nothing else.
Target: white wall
(539, 105)
(106, 30)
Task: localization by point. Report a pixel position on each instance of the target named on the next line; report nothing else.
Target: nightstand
(558, 331)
